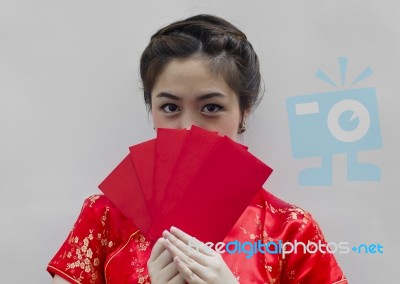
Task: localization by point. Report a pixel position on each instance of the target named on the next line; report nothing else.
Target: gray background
(70, 105)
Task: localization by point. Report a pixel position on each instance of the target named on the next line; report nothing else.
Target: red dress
(105, 247)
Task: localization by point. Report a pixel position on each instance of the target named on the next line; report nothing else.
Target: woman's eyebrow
(200, 98)
(210, 95)
(167, 95)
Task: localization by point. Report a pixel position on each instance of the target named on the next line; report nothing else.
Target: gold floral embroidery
(258, 222)
(292, 212)
(142, 278)
(272, 280)
(104, 217)
(92, 199)
(142, 243)
(81, 257)
(266, 238)
(86, 249)
(258, 228)
(244, 230)
(285, 210)
(292, 275)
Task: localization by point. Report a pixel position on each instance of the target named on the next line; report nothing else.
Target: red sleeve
(311, 265)
(81, 257)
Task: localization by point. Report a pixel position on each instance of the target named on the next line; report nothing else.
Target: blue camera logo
(344, 121)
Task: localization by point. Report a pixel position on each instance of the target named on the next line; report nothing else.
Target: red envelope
(217, 194)
(197, 146)
(143, 156)
(193, 179)
(123, 188)
(194, 154)
(167, 149)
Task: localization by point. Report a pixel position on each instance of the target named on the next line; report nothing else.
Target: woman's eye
(212, 108)
(170, 108)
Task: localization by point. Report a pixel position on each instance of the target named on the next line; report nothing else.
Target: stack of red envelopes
(192, 179)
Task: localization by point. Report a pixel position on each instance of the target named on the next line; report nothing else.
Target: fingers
(183, 250)
(187, 273)
(164, 259)
(158, 248)
(192, 242)
(193, 264)
(161, 267)
(177, 279)
(170, 273)
(196, 266)
(159, 257)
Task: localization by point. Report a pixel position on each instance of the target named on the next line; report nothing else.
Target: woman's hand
(161, 267)
(199, 265)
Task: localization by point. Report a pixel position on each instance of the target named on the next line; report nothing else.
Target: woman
(200, 71)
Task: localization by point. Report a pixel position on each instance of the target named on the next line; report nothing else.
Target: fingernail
(169, 236)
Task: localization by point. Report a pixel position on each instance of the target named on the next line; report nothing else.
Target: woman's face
(187, 93)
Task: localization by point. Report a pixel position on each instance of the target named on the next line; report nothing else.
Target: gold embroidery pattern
(257, 232)
(82, 257)
(142, 278)
(92, 199)
(85, 251)
(141, 244)
(293, 213)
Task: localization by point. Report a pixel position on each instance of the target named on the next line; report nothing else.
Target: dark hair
(229, 52)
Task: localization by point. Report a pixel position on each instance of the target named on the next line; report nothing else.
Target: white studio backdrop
(70, 105)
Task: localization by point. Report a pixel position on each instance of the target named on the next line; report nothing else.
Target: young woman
(199, 71)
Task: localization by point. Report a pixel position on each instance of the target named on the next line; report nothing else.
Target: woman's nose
(187, 120)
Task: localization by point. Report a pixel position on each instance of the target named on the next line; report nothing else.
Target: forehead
(190, 75)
